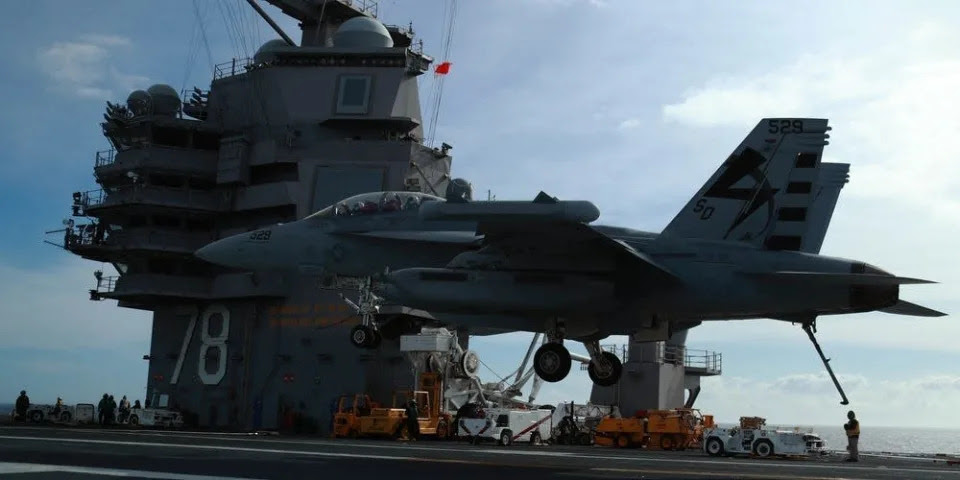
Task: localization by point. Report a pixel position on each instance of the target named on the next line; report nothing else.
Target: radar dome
(459, 191)
(165, 99)
(362, 32)
(138, 102)
(268, 48)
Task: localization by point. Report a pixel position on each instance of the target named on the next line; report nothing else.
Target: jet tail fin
(906, 308)
(820, 203)
(741, 201)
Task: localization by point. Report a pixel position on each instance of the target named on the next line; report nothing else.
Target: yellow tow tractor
(350, 409)
(391, 422)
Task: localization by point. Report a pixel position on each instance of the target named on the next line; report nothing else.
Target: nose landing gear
(367, 334)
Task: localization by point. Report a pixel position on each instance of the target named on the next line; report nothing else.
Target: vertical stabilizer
(826, 192)
(742, 201)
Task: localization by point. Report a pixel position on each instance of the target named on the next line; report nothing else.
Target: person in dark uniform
(23, 404)
(102, 409)
(852, 427)
(413, 426)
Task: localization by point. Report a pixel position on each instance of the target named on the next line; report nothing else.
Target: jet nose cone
(212, 252)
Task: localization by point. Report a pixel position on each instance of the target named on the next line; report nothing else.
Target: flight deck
(42, 452)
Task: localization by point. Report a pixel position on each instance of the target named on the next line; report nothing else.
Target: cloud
(893, 111)
(629, 124)
(84, 67)
(52, 307)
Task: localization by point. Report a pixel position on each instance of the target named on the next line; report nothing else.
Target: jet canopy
(376, 203)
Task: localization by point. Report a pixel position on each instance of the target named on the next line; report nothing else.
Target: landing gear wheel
(552, 362)
(362, 336)
(714, 447)
(608, 378)
(763, 448)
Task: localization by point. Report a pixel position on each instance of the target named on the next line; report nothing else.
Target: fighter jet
(745, 246)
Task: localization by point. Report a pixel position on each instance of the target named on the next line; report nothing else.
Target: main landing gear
(552, 362)
(367, 334)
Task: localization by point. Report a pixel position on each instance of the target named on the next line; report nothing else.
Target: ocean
(872, 439)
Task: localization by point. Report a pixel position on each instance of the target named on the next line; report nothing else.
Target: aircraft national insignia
(747, 163)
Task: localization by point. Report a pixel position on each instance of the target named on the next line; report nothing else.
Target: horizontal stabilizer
(912, 309)
(838, 278)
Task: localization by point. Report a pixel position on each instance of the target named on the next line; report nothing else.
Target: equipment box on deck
(425, 342)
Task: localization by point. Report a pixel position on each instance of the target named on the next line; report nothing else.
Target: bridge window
(354, 94)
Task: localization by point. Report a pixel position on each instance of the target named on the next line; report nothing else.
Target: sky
(631, 105)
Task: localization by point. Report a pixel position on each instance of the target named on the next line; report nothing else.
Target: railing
(106, 284)
(235, 66)
(106, 157)
(85, 235)
(370, 7)
(702, 360)
(705, 360)
(153, 195)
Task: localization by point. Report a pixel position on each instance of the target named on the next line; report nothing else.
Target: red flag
(442, 69)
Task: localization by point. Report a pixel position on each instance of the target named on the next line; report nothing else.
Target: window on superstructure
(353, 94)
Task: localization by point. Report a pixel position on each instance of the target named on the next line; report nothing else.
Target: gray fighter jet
(745, 246)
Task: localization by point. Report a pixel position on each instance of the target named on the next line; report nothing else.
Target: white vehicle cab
(155, 417)
(508, 426)
(752, 437)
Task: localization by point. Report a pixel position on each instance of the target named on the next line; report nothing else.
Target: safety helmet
(23, 392)
(850, 415)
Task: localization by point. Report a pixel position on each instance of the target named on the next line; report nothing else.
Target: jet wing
(549, 223)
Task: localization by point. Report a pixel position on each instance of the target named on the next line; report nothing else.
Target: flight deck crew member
(23, 404)
(413, 426)
(853, 436)
(102, 408)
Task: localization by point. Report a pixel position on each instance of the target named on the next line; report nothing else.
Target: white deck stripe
(503, 452)
(7, 468)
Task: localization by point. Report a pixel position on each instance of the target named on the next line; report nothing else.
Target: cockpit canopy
(376, 202)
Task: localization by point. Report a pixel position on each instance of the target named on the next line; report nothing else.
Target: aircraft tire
(361, 336)
(611, 378)
(552, 362)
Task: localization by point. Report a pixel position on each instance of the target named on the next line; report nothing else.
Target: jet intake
(485, 291)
